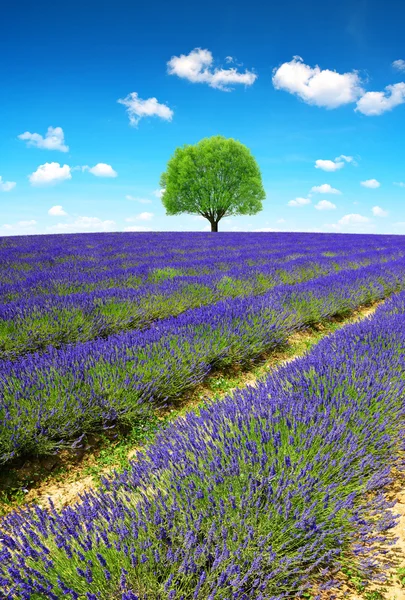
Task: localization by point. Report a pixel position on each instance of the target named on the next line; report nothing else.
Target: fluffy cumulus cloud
(313, 85)
(83, 224)
(101, 170)
(299, 202)
(399, 64)
(138, 109)
(140, 200)
(158, 193)
(379, 212)
(325, 205)
(6, 186)
(370, 183)
(333, 165)
(325, 188)
(57, 211)
(373, 104)
(328, 165)
(353, 219)
(50, 173)
(144, 216)
(330, 89)
(54, 139)
(197, 67)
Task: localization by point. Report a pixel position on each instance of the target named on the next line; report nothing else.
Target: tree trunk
(214, 225)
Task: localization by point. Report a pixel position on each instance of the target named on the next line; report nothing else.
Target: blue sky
(296, 82)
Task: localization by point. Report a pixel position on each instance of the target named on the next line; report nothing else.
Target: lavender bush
(259, 496)
(51, 399)
(97, 330)
(55, 305)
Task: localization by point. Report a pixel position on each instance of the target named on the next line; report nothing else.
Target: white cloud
(399, 183)
(6, 186)
(328, 165)
(353, 219)
(325, 205)
(299, 202)
(145, 216)
(379, 212)
(83, 224)
(57, 211)
(137, 108)
(197, 68)
(141, 200)
(315, 86)
(370, 183)
(27, 223)
(399, 64)
(280, 221)
(348, 159)
(93, 223)
(20, 228)
(373, 104)
(325, 188)
(158, 193)
(53, 140)
(333, 165)
(137, 228)
(265, 230)
(101, 170)
(50, 173)
(331, 89)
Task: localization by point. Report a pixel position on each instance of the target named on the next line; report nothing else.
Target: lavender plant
(265, 494)
(50, 400)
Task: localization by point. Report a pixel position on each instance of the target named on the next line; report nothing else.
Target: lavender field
(262, 495)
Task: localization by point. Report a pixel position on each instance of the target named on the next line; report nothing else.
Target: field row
(67, 264)
(36, 322)
(51, 400)
(265, 494)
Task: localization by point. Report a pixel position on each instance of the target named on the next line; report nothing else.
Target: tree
(216, 178)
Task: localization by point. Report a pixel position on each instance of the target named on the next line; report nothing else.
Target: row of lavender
(64, 264)
(51, 400)
(34, 323)
(76, 263)
(136, 296)
(260, 496)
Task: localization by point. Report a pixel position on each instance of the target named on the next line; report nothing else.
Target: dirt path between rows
(394, 586)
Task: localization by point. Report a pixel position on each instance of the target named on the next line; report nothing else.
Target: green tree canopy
(216, 178)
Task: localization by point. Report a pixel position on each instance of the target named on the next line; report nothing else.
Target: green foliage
(158, 275)
(216, 178)
(374, 595)
(401, 575)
